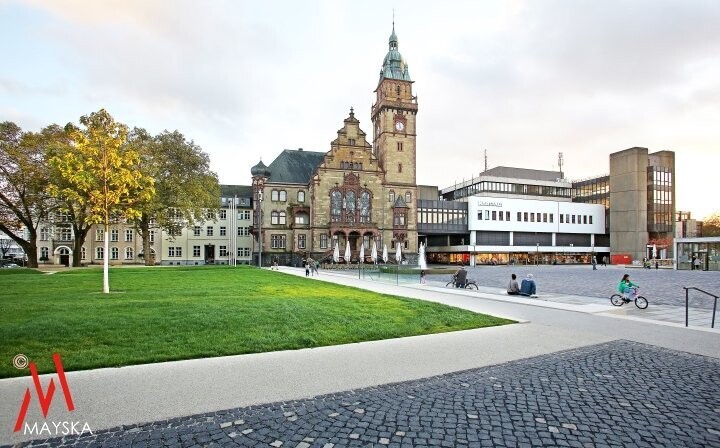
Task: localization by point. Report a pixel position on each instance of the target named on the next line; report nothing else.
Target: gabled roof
(241, 191)
(295, 166)
(522, 173)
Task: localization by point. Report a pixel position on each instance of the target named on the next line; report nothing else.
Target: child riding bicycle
(627, 288)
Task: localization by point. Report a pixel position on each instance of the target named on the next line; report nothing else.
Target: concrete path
(106, 398)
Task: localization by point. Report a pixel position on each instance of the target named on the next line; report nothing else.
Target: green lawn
(162, 314)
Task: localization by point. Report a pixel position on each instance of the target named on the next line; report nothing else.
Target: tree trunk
(30, 249)
(106, 260)
(80, 235)
(144, 227)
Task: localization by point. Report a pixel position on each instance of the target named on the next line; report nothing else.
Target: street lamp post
(260, 239)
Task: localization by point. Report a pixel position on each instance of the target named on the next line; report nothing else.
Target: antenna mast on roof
(486, 160)
(560, 164)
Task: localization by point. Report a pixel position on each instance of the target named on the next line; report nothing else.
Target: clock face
(399, 125)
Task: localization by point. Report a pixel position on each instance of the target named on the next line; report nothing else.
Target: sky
(523, 80)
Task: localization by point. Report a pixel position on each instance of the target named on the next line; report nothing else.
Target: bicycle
(620, 299)
(469, 284)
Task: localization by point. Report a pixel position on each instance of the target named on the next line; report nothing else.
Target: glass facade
(442, 217)
(594, 191)
(660, 210)
(507, 188)
(707, 254)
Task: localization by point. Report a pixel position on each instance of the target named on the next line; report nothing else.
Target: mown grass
(163, 314)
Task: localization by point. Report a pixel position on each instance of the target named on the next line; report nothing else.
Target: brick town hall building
(356, 192)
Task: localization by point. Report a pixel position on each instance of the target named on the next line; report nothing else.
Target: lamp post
(260, 239)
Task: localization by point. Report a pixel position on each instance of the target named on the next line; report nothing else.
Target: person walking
(423, 280)
(307, 269)
(692, 263)
(697, 263)
(594, 263)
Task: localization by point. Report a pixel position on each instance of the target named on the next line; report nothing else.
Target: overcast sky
(522, 79)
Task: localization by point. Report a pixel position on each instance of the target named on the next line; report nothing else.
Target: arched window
(391, 196)
(350, 206)
(301, 196)
(282, 219)
(336, 204)
(408, 197)
(365, 206)
(100, 253)
(129, 253)
(274, 218)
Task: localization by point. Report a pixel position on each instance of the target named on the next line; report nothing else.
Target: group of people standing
(311, 267)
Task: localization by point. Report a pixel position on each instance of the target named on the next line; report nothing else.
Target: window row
(114, 235)
(505, 187)
(223, 251)
(281, 196)
(357, 166)
(442, 216)
(99, 253)
(575, 219)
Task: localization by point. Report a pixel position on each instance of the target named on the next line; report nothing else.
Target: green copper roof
(394, 66)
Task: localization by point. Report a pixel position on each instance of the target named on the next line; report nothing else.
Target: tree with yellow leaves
(102, 175)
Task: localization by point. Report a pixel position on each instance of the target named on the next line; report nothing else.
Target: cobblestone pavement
(615, 394)
(661, 287)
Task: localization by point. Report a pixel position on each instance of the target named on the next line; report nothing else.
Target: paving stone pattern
(661, 287)
(609, 395)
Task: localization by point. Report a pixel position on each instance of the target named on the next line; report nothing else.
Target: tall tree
(24, 202)
(185, 188)
(102, 175)
(77, 212)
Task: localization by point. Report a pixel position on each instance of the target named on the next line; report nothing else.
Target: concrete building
(642, 204)
(686, 226)
(626, 215)
(511, 215)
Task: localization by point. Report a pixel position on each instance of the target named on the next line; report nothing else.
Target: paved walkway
(109, 398)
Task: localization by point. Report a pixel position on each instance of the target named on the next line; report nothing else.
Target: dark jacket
(461, 277)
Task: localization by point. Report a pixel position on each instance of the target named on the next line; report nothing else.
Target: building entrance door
(209, 253)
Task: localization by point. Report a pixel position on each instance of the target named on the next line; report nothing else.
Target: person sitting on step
(527, 287)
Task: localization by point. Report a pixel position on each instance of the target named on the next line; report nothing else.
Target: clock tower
(393, 116)
(394, 132)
